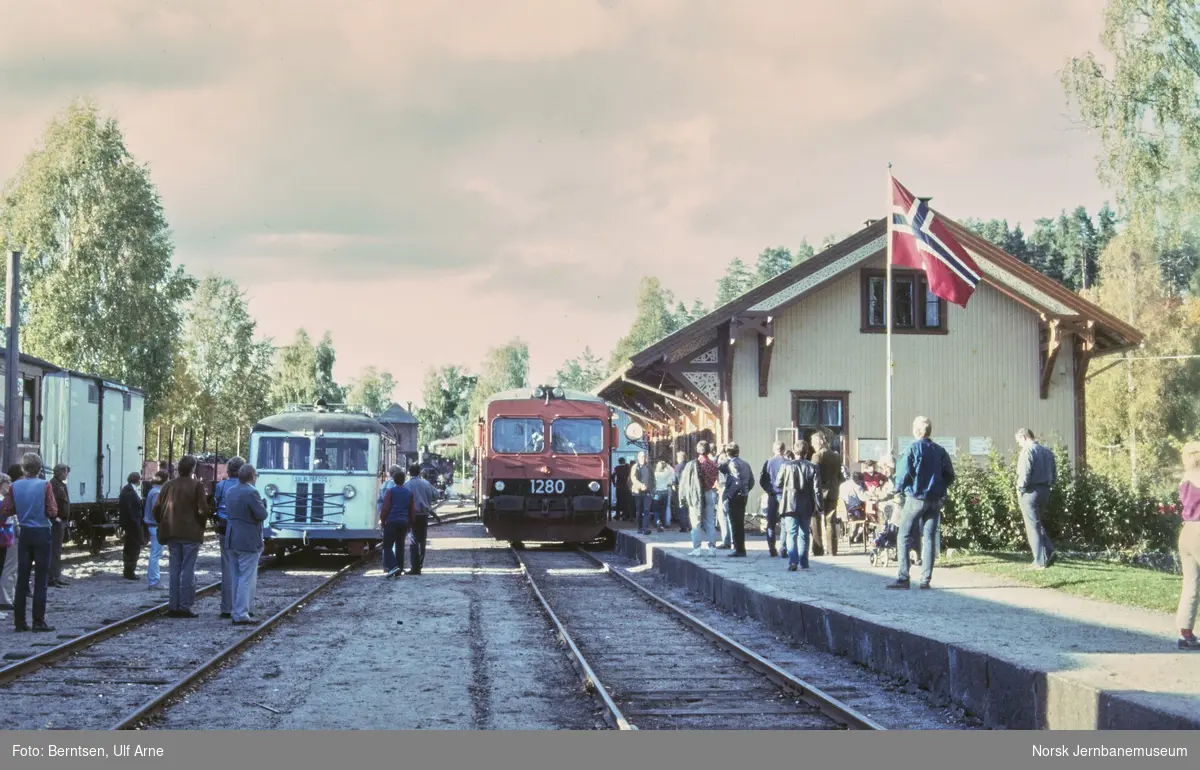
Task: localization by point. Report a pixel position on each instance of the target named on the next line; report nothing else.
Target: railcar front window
(577, 436)
(284, 453)
(341, 454)
(518, 435)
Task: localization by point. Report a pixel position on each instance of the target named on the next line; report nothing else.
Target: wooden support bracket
(1052, 347)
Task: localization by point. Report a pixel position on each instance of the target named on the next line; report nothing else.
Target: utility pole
(12, 362)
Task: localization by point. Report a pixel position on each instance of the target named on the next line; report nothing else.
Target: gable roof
(396, 415)
(1000, 270)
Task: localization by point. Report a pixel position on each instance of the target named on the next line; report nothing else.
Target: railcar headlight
(558, 392)
(349, 492)
(594, 486)
(270, 490)
(539, 393)
(499, 486)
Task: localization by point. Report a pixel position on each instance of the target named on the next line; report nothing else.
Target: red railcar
(543, 462)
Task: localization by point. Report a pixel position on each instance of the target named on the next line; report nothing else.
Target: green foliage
(371, 389)
(1088, 511)
(446, 409)
(505, 367)
(303, 373)
(654, 320)
(99, 292)
(772, 262)
(221, 372)
(1146, 108)
(803, 252)
(583, 373)
(737, 281)
(1140, 413)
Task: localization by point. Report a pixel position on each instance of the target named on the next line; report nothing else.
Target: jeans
(726, 528)
(244, 579)
(182, 559)
(705, 522)
(772, 512)
(8, 576)
(737, 519)
(927, 514)
(393, 545)
(156, 549)
(797, 537)
(1189, 558)
(662, 508)
(645, 510)
(57, 531)
(33, 556)
(227, 575)
(1033, 508)
(420, 536)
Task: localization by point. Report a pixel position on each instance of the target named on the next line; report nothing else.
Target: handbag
(8, 535)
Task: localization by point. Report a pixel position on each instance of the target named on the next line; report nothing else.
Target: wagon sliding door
(822, 410)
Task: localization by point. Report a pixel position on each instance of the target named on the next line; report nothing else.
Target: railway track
(654, 666)
(124, 673)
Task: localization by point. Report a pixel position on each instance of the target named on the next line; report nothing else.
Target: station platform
(1016, 656)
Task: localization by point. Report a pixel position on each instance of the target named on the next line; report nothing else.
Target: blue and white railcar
(319, 469)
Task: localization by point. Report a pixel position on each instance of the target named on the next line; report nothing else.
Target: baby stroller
(884, 552)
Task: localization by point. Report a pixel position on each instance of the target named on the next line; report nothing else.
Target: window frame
(819, 396)
(577, 419)
(492, 435)
(921, 293)
(315, 448)
(29, 410)
(258, 439)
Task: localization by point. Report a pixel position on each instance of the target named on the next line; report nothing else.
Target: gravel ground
(98, 595)
(462, 646)
(895, 704)
(96, 687)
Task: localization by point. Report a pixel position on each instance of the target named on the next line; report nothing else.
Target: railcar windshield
(577, 436)
(341, 454)
(518, 435)
(284, 453)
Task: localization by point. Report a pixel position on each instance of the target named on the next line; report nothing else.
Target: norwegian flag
(920, 241)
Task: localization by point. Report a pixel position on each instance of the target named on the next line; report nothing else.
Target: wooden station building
(806, 351)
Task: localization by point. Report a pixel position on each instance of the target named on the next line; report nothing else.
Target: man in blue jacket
(924, 475)
(156, 549)
(243, 539)
(220, 507)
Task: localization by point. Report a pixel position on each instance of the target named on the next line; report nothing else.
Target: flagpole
(887, 309)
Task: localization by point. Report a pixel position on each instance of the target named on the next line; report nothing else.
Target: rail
(163, 699)
(591, 682)
(826, 703)
(837, 712)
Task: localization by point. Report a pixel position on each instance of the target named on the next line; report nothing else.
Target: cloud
(503, 169)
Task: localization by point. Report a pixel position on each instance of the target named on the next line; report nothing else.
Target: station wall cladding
(1000, 693)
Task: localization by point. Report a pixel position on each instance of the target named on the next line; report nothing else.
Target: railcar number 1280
(549, 486)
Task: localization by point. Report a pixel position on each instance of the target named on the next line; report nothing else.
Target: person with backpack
(739, 480)
(221, 524)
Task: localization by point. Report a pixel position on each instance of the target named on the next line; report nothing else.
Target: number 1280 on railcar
(544, 461)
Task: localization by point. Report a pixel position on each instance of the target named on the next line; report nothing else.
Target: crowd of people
(171, 516)
(809, 495)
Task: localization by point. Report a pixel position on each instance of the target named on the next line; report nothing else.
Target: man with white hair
(924, 475)
(1036, 474)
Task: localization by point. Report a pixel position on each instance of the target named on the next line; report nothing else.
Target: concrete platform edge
(997, 691)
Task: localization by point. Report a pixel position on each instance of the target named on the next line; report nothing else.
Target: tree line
(100, 294)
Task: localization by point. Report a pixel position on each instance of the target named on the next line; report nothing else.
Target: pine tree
(770, 263)
(736, 282)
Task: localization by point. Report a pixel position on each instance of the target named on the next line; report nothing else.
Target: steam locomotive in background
(543, 465)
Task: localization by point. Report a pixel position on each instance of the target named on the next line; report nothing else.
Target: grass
(1123, 584)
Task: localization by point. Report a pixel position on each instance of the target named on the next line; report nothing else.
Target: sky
(426, 180)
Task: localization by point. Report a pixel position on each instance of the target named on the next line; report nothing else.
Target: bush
(1088, 511)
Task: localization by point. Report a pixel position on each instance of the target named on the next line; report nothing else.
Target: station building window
(915, 309)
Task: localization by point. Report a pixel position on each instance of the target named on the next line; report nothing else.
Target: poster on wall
(981, 445)
(871, 449)
(949, 443)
